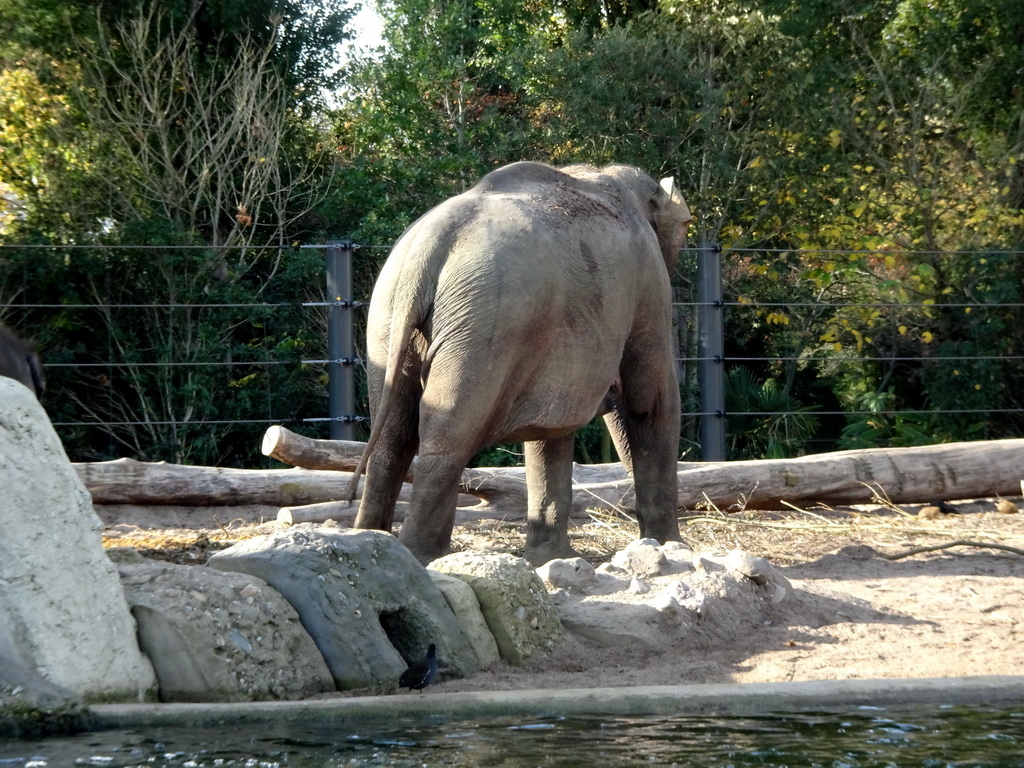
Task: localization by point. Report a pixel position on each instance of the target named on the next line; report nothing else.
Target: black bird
(420, 674)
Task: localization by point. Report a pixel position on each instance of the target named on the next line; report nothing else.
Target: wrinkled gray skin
(19, 362)
(517, 311)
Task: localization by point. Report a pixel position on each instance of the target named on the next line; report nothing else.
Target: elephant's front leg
(644, 423)
(549, 491)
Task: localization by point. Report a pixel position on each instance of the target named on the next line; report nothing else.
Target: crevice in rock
(397, 627)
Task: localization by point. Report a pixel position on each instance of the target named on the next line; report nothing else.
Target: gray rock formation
(704, 600)
(61, 603)
(29, 704)
(216, 636)
(368, 604)
(567, 573)
(462, 600)
(512, 598)
(643, 558)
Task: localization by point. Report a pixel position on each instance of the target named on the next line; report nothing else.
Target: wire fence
(124, 372)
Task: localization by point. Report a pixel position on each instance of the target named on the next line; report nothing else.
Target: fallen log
(309, 453)
(126, 481)
(499, 486)
(938, 472)
(341, 512)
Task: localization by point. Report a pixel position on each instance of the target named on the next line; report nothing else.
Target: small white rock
(638, 587)
(567, 573)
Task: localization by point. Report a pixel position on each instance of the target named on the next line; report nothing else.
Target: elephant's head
(671, 220)
(663, 205)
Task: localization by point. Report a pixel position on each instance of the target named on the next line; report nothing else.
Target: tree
(203, 148)
(189, 139)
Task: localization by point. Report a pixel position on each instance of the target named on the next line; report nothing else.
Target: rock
(216, 636)
(726, 600)
(677, 548)
(642, 558)
(30, 705)
(512, 598)
(567, 573)
(687, 596)
(608, 569)
(754, 568)
(61, 601)
(638, 587)
(368, 604)
(772, 585)
(462, 600)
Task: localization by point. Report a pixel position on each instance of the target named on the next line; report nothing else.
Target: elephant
(19, 362)
(518, 311)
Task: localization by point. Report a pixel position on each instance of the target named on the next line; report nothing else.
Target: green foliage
(179, 368)
(304, 34)
(764, 421)
(887, 130)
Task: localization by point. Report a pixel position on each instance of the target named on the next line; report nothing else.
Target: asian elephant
(19, 362)
(517, 311)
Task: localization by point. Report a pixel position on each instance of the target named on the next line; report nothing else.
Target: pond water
(933, 737)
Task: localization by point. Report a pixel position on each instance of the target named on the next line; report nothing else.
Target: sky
(368, 26)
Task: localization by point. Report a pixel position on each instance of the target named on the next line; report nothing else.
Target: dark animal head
(18, 361)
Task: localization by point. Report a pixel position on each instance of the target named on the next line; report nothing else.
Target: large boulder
(216, 636)
(512, 599)
(368, 604)
(30, 705)
(61, 601)
(462, 600)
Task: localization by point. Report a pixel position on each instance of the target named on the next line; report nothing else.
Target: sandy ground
(852, 613)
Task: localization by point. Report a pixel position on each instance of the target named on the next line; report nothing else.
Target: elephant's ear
(674, 196)
(671, 220)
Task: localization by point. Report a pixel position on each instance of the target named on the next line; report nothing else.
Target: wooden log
(309, 453)
(342, 513)
(126, 481)
(496, 482)
(949, 472)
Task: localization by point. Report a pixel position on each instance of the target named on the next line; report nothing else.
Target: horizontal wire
(358, 246)
(212, 422)
(198, 423)
(348, 361)
(889, 414)
(866, 251)
(99, 247)
(900, 359)
(152, 306)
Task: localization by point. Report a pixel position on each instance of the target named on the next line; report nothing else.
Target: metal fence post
(711, 345)
(341, 357)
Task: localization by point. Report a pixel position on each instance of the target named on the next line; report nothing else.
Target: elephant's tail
(396, 354)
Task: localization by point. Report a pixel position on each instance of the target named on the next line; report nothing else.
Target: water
(943, 737)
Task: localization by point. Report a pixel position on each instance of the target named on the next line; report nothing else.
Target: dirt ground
(853, 612)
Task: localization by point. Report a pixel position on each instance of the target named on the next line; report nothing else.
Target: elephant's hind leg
(385, 474)
(427, 530)
(388, 464)
(549, 489)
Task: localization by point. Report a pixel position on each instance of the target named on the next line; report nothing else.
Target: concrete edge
(728, 698)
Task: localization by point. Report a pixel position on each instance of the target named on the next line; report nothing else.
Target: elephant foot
(425, 552)
(538, 554)
(662, 529)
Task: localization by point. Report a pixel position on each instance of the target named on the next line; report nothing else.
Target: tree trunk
(905, 475)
